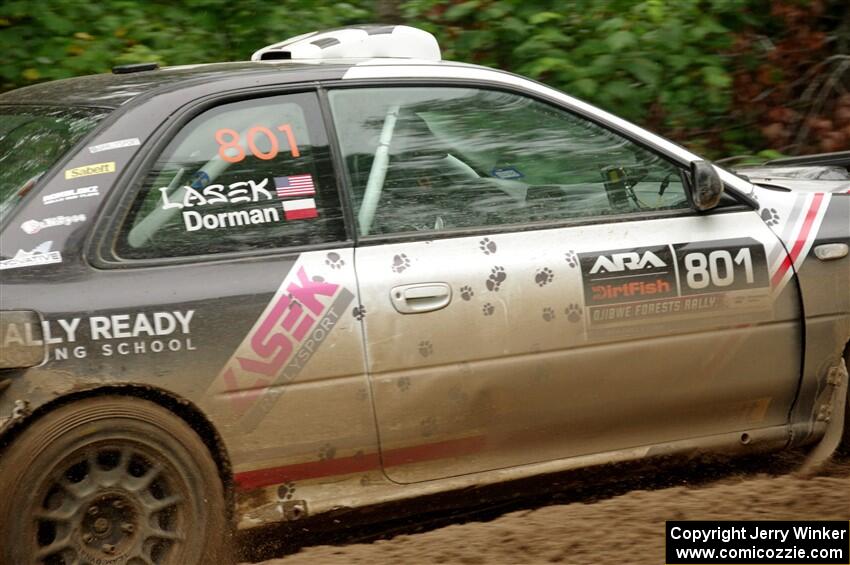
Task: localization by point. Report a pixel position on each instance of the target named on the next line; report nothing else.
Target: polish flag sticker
(300, 209)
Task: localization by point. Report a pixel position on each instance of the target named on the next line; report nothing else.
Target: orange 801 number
(228, 140)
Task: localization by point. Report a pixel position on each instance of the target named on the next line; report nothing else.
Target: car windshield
(32, 139)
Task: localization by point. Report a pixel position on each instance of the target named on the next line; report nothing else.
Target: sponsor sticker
(41, 255)
(137, 333)
(293, 326)
(34, 226)
(626, 275)
(72, 194)
(129, 142)
(704, 277)
(90, 170)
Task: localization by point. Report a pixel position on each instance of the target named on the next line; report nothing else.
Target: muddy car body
(322, 283)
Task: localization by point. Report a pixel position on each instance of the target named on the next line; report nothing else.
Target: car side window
(248, 175)
(432, 159)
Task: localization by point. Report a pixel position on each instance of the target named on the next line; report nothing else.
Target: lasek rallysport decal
(295, 323)
(684, 279)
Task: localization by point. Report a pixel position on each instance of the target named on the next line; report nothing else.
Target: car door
(237, 225)
(538, 287)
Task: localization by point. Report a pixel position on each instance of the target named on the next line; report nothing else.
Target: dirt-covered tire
(844, 446)
(111, 480)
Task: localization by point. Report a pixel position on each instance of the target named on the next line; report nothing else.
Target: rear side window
(249, 175)
(32, 139)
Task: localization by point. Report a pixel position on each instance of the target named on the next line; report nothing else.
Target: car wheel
(111, 480)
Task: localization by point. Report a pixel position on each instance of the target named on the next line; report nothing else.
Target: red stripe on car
(259, 478)
(800, 242)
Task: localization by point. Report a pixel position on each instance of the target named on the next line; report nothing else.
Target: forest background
(722, 77)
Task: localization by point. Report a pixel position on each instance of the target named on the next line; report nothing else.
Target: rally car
(347, 273)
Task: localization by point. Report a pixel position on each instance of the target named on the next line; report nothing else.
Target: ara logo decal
(293, 326)
(628, 261)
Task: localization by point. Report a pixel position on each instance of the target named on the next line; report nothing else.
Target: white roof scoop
(355, 42)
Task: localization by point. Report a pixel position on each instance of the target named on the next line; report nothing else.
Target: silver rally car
(349, 273)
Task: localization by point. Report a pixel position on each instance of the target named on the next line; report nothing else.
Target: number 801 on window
(723, 265)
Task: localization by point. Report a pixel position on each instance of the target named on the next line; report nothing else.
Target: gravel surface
(625, 528)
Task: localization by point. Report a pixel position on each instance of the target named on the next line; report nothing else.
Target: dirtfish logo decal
(293, 326)
(631, 261)
(113, 335)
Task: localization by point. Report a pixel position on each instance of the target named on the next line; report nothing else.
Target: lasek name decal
(112, 335)
(686, 278)
(293, 326)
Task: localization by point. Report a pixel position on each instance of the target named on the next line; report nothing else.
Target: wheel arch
(181, 407)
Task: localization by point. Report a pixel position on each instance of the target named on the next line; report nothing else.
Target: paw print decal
(574, 313)
(425, 348)
(403, 384)
(400, 263)
(286, 491)
(429, 426)
(770, 216)
(548, 314)
(334, 261)
(359, 312)
(466, 292)
(327, 452)
(488, 309)
(496, 278)
(544, 276)
(488, 246)
(571, 258)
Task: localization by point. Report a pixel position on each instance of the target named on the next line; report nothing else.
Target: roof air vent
(134, 68)
(355, 42)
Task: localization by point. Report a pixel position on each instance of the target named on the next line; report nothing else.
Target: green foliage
(656, 62)
(50, 39)
(676, 66)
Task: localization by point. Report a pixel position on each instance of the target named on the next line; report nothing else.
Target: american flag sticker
(300, 209)
(295, 185)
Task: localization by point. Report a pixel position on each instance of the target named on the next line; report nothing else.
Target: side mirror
(705, 186)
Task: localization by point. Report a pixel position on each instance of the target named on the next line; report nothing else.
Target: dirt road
(624, 528)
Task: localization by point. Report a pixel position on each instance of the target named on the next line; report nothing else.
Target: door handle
(831, 251)
(419, 298)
